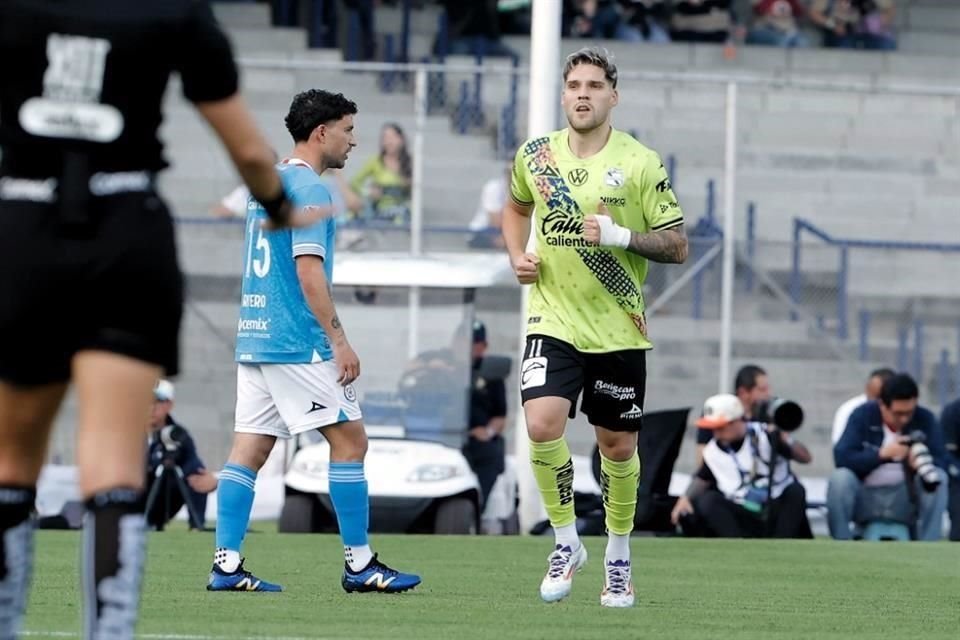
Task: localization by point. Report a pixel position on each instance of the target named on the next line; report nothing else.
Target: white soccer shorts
(284, 400)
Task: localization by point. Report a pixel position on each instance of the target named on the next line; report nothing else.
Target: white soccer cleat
(562, 564)
(617, 586)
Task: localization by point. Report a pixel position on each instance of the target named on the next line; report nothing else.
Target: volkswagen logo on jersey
(578, 177)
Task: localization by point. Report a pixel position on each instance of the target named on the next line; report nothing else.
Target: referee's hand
(527, 268)
(303, 217)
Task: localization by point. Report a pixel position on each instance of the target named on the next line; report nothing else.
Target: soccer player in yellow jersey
(601, 206)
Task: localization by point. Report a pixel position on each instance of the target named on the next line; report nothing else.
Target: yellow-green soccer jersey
(589, 296)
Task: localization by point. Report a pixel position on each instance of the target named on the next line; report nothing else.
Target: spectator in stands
(384, 182)
(870, 392)
(600, 20)
(734, 494)
(486, 223)
(751, 386)
(169, 442)
(649, 17)
(776, 24)
(855, 24)
(950, 423)
(702, 21)
(515, 16)
(234, 204)
(473, 28)
(366, 38)
(884, 472)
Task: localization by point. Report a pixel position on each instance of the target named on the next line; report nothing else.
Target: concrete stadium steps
(275, 39)
(242, 14)
(423, 21)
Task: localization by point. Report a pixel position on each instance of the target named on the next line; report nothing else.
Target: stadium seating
(857, 163)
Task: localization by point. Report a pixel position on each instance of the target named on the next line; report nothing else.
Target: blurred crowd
(477, 26)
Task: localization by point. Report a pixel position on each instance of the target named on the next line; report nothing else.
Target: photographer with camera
(744, 488)
(752, 388)
(169, 445)
(855, 24)
(890, 466)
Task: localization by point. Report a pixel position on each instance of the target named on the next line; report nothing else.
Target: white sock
(228, 561)
(567, 536)
(357, 558)
(618, 547)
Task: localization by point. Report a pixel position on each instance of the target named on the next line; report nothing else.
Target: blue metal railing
(844, 245)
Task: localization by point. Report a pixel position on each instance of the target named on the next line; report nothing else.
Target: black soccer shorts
(613, 384)
(109, 284)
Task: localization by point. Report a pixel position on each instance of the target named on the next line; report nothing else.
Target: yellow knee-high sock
(553, 469)
(619, 481)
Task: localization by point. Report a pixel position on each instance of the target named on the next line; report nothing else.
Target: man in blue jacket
(887, 470)
(170, 441)
(950, 423)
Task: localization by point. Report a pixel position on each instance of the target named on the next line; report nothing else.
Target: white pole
(541, 118)
(729, 229)
(416, 204)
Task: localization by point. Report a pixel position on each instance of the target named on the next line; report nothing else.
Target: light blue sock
(234, 501)
(348, 490)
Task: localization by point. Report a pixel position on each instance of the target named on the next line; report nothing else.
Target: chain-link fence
(854, 162)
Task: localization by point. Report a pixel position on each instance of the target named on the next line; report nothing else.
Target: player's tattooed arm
(667, 246)
(335, 323)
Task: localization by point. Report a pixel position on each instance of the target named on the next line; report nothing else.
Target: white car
(415, 486)
(418, 479)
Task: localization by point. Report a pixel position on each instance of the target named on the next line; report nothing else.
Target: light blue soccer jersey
(276, 324)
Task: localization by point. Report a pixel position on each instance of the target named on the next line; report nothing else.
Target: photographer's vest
(736, 471)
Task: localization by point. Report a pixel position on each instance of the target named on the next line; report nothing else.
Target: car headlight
(434, 473)
(312, 467)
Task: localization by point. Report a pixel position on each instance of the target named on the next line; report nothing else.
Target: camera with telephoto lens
(786, 415)
(173, 436)
(920, 460)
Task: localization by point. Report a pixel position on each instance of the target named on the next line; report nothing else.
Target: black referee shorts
(111, 283)
(613, 384)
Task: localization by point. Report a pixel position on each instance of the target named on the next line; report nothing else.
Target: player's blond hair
(598, 57)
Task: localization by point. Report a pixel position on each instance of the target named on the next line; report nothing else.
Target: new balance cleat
(617, 586)
(562, 564)
(377, 577)
(239, 580)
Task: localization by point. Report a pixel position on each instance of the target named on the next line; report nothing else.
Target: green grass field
(486, 587)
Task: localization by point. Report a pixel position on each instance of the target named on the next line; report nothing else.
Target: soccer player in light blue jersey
(295, 368)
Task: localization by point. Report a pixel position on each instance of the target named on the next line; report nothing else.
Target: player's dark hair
(315, 107)
(900, 387)
(747, 377)
(598, 57)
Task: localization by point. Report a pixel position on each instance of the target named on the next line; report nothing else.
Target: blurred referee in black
(90, 289)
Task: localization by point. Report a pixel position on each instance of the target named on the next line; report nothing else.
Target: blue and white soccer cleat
(617, 586)
(239, 580)
(378, 577)
(561, 565)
